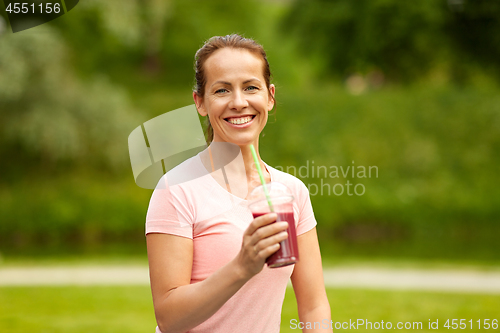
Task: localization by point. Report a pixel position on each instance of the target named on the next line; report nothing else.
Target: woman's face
(236, 98)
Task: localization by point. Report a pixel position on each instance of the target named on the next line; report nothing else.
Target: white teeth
(239, 121)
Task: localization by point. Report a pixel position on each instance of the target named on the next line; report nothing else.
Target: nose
(238, 101)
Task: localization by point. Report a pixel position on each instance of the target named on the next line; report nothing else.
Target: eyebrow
(229, 84)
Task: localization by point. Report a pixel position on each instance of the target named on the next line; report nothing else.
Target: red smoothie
(288, 252)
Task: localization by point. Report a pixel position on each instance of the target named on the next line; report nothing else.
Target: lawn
(400, 306)
(129, 309)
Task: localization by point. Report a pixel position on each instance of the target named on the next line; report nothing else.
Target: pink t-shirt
(194, 205)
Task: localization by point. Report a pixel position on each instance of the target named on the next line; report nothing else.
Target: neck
(252, 175)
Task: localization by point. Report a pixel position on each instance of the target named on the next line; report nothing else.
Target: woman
(206, 253)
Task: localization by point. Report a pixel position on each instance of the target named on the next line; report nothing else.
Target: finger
(261, 221)
(268, 231)
(268, 251)
(270, 242)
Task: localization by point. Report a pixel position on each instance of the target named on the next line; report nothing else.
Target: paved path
(411, 279)
(462, 281)
(74, 275)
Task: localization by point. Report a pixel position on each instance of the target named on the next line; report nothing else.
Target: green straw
(261, 175)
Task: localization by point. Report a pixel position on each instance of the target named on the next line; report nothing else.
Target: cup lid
(275, 189)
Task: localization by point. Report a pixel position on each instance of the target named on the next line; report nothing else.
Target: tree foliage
(49, 114)
(474, 30)
(158, 37)
(405, 40)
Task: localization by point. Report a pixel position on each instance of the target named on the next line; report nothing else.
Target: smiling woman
(237, 99)
(258, 69)
(206, 252)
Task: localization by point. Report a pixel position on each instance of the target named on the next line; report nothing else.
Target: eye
(221, 90)
(251, 88)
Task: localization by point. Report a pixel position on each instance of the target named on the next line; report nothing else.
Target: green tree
(47, 114)
(404, 40)
(156, 37)
(474, 29)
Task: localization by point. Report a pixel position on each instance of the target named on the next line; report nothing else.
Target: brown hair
(218, 42)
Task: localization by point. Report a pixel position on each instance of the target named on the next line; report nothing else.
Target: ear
(200, 106)
(270, 104)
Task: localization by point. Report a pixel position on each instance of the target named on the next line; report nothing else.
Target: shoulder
(178, 192)
(185, 172)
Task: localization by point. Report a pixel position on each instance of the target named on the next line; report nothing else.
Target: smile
(239, 120)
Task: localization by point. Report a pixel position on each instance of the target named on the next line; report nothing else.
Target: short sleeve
(168, 211)
(306, 219)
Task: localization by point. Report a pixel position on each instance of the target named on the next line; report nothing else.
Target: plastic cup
(282, 203)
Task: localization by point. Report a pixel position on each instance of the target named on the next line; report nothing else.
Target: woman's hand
(260, 240)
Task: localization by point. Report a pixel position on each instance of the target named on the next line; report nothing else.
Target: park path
(461, 281)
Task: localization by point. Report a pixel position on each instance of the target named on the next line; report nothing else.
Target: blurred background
(412, 89)
(409, 87)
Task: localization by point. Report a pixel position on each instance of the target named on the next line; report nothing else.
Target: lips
(239, 120)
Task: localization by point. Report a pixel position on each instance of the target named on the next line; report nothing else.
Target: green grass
(130, 309)
(76, 309)
(399, 306)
